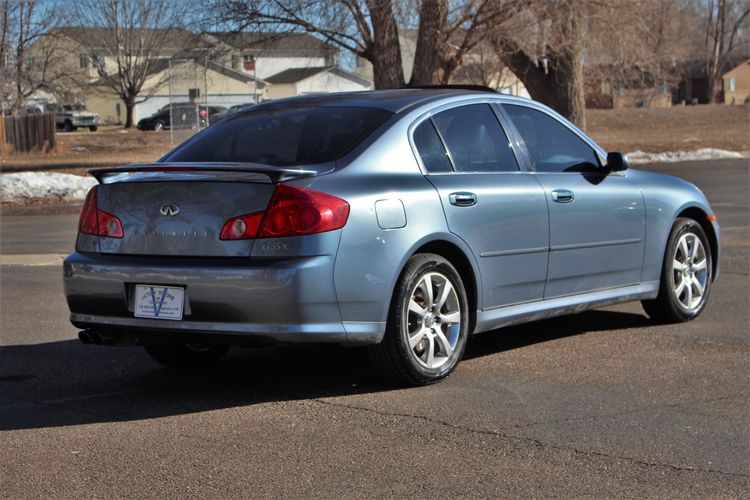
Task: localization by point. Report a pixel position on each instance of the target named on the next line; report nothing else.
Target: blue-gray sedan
(403, 220)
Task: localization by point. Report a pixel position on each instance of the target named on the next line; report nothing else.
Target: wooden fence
(25, 133)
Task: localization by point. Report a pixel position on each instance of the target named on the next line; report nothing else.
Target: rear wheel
(428, 324)
(93, 128)
(68, 126)
(187, 355)
(686, 275)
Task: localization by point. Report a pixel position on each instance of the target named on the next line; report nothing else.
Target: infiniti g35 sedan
(401, 220)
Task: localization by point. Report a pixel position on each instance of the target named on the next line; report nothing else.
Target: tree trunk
(386, 48)
(433, 19)
(129, 102)
(714, 65)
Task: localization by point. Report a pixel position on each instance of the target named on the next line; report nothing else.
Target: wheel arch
(701, 217)
(463, 264)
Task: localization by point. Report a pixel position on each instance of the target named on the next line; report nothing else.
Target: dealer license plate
(162, 302)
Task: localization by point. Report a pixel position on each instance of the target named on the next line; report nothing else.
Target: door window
(430, 148)
(553, 146)
(475, 139)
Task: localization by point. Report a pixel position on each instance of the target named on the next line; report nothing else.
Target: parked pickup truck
(69, 117)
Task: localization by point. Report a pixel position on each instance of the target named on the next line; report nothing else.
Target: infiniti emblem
(170, 209)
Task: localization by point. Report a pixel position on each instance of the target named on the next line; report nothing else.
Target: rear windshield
(291, 136)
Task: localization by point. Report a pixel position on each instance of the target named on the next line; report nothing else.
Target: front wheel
(186, 355)
(93, 128)
(686, 275)
(158, 126)
(428, 323)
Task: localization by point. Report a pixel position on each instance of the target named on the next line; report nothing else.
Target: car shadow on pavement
(67, 383)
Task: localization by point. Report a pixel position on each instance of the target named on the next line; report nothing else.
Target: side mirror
(616, 162)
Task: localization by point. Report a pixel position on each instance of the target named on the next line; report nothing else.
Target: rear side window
(283, 137)
(431, 149)
(475, 139)
(553, 146)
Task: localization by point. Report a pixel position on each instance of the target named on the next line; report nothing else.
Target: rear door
(597, 220)
(497, 209)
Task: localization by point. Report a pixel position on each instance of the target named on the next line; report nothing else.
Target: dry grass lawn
(671, 129)
(631, 129)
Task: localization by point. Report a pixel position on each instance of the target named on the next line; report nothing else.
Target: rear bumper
(286, 300)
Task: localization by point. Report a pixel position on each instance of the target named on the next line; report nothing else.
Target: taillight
(98, 222)
(242, 227)
(292, 212)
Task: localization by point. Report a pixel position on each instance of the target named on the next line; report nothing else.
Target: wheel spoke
(700, 265)
(430, 350)
(680, 287)
(688, 294)
(694, 248)
(427, 288)
(445, 346)
(416, 308)
(684, 249)
(414, 340)
(444, 294)
(451, 317)
(677, 265)
(698, 286)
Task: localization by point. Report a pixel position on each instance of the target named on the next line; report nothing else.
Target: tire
(683, 293)
(93, 128)
(68, 126)
(186, 355)
(158, 126)
(420, 347)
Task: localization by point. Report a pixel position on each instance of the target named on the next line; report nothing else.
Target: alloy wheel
(433, 321)
(689, 271)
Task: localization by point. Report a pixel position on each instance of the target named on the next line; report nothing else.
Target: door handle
(563, 196)
(462, 199)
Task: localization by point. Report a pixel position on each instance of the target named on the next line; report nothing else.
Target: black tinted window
(553, 146)
(431, 149)
(475, 139)
(290, 136)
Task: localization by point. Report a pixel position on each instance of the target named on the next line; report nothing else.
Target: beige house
(301, 81)
(737, 84)
(215, 68)
(172, 81)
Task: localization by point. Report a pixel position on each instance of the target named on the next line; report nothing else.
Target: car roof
(394, 100)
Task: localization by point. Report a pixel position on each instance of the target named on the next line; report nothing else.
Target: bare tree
(129, 40)
(446, 30)
(23, 71)
(725, 23)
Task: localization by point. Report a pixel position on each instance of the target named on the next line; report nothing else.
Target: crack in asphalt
(629, 412)
(528, 440)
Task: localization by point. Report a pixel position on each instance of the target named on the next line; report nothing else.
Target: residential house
(737, 84)
(300, 81)
(290, 63)
(607, 86)
(221, 68)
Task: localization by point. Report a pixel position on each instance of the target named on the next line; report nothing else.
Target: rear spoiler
(247, 172)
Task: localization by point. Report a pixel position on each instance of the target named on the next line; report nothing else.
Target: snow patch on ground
(24, 187)
(674, 156)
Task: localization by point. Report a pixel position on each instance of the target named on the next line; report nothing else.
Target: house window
(731, 85)
(606, 88)
(235, 62)
(248, 62)
(97, 58)
(83, 61)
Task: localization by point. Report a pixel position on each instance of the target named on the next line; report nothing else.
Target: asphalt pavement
(604, 403)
